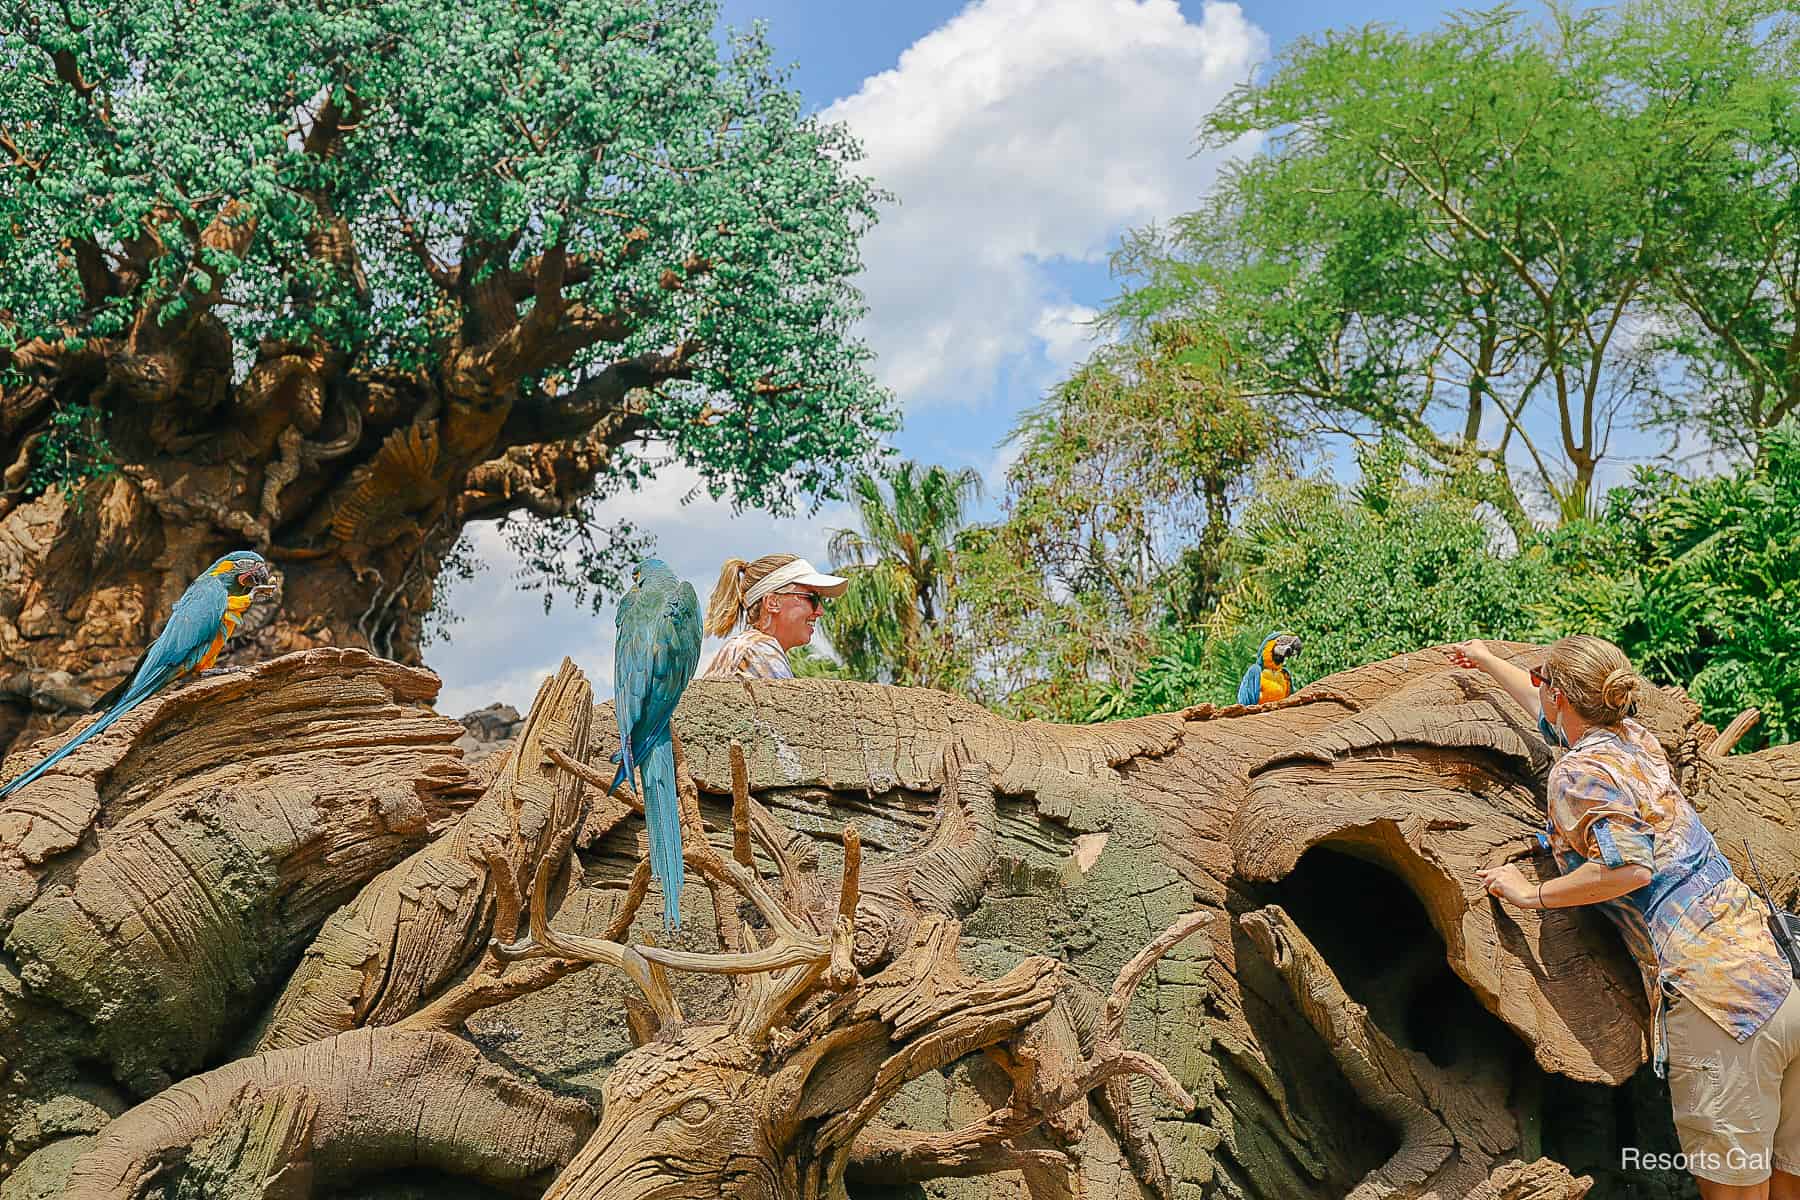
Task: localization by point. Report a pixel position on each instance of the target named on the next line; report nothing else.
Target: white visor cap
(798, 573)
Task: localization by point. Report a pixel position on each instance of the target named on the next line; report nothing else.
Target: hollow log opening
(1587, 1127)
(1379, 942)
(419, 1185)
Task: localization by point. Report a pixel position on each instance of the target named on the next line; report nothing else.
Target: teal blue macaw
(1268, 679)
(654, 656)
(199, 625)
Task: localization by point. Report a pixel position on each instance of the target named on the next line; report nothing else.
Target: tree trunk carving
(1225, 952)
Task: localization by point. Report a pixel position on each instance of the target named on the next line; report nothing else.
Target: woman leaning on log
(778, 598)
(1725, 1015)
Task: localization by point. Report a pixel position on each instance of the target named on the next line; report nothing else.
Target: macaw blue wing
(633, 650)
(657, 651)
(674, 655)
(1250, 689)
(192, 626)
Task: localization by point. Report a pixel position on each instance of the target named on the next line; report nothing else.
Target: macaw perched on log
(199, 625)
(1267, 679)
(654, 656)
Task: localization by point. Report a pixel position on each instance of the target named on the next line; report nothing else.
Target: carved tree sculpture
(271, 937)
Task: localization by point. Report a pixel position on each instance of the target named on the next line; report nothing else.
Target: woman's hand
(1509, 883)
(1473, 655)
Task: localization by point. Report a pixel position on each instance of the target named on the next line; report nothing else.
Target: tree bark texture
(355, 484)
(271, 937)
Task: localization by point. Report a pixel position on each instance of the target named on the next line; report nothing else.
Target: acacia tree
(1728, 78)
(334, 281)
(1470, 237)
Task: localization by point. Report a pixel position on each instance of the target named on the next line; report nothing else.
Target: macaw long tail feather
(70, 746)
(662, 817)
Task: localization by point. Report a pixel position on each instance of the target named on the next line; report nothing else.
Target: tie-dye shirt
(1695, 927)
(749, 654)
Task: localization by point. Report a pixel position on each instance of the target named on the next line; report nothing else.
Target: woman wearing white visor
(778, 598)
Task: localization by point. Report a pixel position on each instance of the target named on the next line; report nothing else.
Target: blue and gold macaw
(654, 656)
(203, 619)
(1268, 679)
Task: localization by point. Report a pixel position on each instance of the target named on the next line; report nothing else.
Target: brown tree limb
(887, 1156)
(540, 416)
(1734, 732)
(378, 1099)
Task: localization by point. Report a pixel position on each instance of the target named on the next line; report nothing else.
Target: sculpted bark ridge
(412, 928)
(336, 1109)
(932, 945)
(161, 881)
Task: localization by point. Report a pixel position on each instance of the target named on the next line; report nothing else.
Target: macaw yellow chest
(235, 607)
(1277, 684)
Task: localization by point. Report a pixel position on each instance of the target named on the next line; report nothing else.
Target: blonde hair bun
(1619, 690)
(1596, 677)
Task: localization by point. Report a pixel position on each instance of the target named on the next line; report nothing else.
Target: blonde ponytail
(726, 604)
(727, 599)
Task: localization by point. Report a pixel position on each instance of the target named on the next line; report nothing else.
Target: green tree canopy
(1497, 239)
(407, 264)
(1712, 597)
(1398, 561)
(1116, 513)
(1727, 254)
(1374, 570)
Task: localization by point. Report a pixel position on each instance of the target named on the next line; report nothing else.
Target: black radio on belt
(1784, 925)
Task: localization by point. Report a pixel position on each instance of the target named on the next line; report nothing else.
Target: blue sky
(1021, 138)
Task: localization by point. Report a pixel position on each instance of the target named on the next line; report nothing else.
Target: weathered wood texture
(940, 1002)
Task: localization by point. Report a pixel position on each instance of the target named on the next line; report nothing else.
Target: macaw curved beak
(257, 580)
(1285, 648)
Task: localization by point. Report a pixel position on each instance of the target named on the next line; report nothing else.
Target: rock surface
(488, 731)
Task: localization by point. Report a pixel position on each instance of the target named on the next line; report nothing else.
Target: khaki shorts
(1737, 1104)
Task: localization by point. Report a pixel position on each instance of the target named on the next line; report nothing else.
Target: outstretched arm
(1516, 680)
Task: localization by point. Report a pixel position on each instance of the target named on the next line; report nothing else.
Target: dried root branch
(772, 975)
(936, 1015)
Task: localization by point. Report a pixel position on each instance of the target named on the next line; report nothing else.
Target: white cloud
(993, 471)
(505, 644)
(1018, 133)
(1067, 333)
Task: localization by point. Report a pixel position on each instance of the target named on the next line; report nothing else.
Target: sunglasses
(1539, 678)
(814, 602)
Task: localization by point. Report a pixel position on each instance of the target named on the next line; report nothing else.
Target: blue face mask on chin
(1552, 734)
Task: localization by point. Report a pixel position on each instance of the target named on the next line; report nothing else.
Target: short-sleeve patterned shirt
(749, 654)
(1695, 927)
